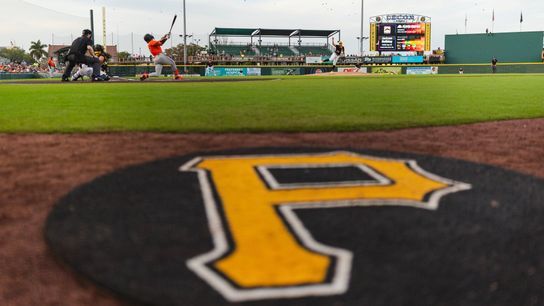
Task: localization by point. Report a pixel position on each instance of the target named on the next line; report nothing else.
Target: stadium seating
(314, 50)
(234, 50)
(270, 43)
(277, 51)
(272, 50)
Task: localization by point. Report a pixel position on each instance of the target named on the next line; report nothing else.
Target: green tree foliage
(177, 51)
(123, 55)
(37, 50)
(16, 54)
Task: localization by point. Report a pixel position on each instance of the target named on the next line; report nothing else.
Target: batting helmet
(87, 32)
(148, 37)
(99, 48)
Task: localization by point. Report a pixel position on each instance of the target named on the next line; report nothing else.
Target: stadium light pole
(362, 25)
(184, 38)
(92, 25)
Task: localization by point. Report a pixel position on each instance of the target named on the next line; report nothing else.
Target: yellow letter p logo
(262, 249)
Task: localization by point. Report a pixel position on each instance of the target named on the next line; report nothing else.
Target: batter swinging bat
(173, 22)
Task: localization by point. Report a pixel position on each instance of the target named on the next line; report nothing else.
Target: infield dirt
(37, 170)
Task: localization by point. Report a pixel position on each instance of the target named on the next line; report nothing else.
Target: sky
(61, 21)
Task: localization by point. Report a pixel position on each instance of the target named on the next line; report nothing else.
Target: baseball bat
(173, 22)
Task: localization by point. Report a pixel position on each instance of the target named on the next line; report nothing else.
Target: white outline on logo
(340, 280)
(377, 179)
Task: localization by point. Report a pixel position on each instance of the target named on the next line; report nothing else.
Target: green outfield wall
(18, 76)
(131, 71)
(520, 47)
(126, 71)
(501, 69)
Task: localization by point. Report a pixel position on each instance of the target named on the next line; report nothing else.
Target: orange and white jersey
(155, 47)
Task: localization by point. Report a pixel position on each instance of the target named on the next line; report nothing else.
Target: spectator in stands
(21, 68)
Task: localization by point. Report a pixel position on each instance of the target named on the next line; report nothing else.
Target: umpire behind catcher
(76, 55)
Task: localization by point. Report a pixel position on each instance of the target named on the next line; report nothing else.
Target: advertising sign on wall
(222, 71)
(313, 70)
(210, 71)
(286, 71)
(230, 71)
(408, 59)
(253, 72)
(377, 60)
(387, 70)
(353, 70)
(314, 60)
(422, 70)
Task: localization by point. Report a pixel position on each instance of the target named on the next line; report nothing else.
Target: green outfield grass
(293, 104)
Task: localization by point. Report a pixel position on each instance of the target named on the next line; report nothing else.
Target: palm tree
(37, 50)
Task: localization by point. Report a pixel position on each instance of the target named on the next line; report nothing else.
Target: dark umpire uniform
(76, 55)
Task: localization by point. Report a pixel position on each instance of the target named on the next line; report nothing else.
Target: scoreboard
(400, 33)
(401, 37)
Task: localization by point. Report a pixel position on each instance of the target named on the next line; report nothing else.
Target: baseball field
(381, 190)
(295, 104)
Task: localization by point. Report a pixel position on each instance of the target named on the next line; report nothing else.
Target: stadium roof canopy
(245, 32)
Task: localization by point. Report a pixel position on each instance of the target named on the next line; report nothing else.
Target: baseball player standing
(494, 62)
(51, 65)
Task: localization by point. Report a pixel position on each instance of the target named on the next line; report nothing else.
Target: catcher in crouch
(340, 51)
(155, 47)
(86, 71)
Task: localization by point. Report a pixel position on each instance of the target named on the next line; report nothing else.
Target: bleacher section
(264, 42)
(234, 50)
(238, 50)
(270, 50)
(314, 50)
(276, 51)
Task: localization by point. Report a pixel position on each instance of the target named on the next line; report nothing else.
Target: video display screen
(401, 37)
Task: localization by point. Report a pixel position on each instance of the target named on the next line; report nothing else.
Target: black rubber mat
(147, 232)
